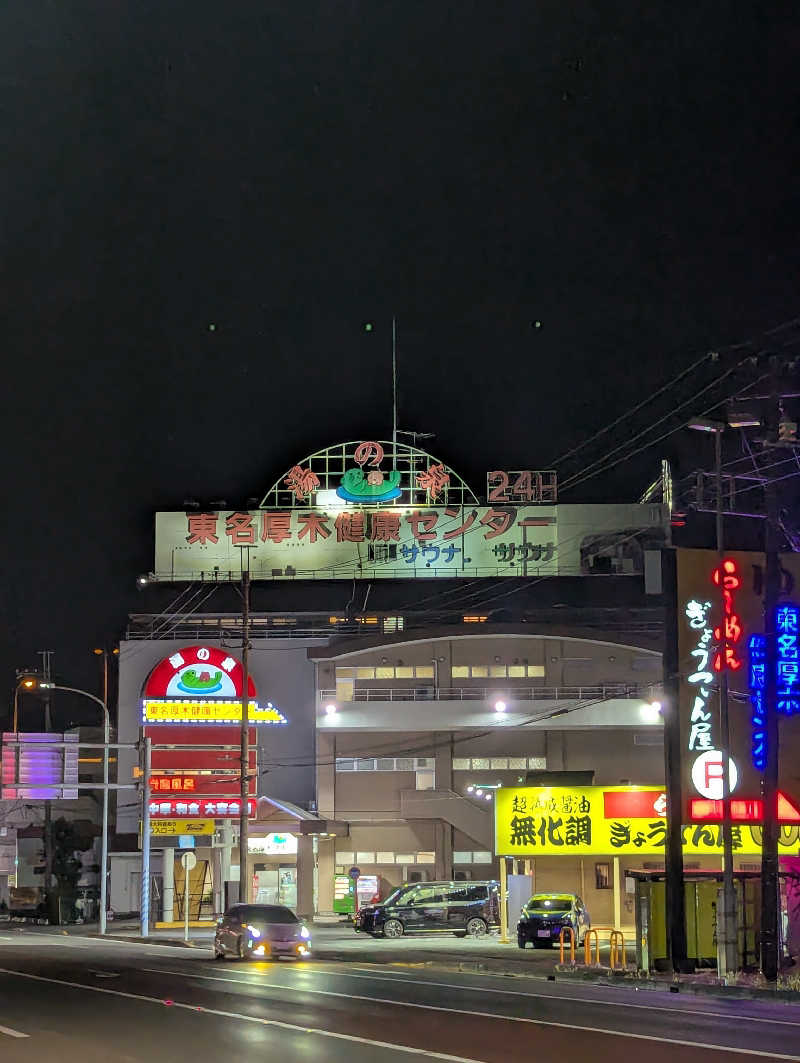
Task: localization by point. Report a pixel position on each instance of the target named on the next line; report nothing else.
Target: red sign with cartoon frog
(198, 672)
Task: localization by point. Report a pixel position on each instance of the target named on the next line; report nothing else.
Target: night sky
(203, 203)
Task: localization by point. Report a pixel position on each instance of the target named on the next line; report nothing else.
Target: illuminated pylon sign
(202, 685)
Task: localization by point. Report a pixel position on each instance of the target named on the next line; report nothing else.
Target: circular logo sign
(707, 774)
(198, 672)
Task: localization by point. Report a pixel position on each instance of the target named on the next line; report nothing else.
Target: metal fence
(569, 693)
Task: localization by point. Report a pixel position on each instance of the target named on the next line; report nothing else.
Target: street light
(729, 921)
(500, 706)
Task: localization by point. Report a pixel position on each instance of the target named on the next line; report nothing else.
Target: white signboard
(273, 845)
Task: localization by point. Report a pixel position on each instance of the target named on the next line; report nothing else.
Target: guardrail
(421, 693)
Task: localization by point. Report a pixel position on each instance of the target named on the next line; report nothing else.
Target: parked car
(459, 908)
(544, 916)
(248, 930)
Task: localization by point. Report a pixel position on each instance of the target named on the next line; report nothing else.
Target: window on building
(404, 764)
(404, 672)
(537, 763)
(385, 764)
(481, 856)
(535, 671)
(391, 624)
(426, 858)
(384, 672)
(384, 858)
(499, 763)
(365, 858)
(346, 859)
(365, 673)
(516, 764)
(602, 876)
(424, 671)
(344, 764)
(462, 857)
(404, 858)
(365, 765)
(460, 671)
(497, 671)
(479, 671)
(480, 763)
(516, 671)
(461, 764)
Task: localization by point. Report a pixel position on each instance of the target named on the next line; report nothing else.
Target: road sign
(354, 872)
(188, 861)
(175, 827)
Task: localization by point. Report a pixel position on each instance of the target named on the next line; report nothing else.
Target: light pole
(729, 922)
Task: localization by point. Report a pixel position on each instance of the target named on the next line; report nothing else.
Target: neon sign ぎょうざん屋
(701, 678)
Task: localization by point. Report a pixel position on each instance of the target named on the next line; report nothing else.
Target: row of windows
(388, 671)
(478, 856)
(347, 860)
(384, 763)
(497, 671)
(499, 763)
(458, 671)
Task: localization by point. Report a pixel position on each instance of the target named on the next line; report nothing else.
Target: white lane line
(489, 1015)
(251, 1018)
(12, 1033)
(686, 1012)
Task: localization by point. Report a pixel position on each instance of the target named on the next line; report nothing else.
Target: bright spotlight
(330, 710)
(500, 706)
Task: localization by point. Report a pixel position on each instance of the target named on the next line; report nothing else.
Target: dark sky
(625, 174)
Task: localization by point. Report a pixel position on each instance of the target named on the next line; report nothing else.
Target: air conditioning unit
(461, 876)
(416, 875)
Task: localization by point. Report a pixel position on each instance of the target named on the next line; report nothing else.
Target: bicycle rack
(587, 947)
(617, 943)
(561, 942)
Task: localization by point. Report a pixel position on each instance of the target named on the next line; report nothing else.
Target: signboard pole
(673, 862)
(145, 883)
(770, 908)
(244, 766)
(729, 951)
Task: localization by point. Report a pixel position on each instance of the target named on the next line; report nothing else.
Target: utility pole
(394, 385)
(244, 768)
(770, 903)
(729, 925)
(144, 907)
(674, 888)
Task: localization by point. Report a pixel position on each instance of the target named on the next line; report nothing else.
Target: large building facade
(426, 650)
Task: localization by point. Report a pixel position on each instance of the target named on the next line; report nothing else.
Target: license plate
(543, 933)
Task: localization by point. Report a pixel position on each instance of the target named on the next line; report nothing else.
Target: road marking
(250, 1018)
(12, 1033)
(502, 992)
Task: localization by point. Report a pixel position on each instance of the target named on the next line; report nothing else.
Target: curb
(630, 980)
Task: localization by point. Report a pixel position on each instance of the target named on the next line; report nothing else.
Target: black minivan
(458, 908)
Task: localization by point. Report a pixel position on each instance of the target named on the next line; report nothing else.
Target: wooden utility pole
(244, 891)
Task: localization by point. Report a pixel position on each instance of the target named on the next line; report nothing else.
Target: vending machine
(344, 895)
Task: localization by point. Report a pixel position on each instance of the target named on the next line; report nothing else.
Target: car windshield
(400, 896)
(268, 913)
(552, 904)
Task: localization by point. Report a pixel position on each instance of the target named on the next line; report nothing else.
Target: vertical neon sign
(787, 628)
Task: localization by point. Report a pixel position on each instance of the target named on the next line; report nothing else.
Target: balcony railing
(490, 694)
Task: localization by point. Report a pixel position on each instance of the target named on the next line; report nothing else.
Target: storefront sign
(176, 827)
(571, 821)
(273, 845)
(364, 541)
(200, 785)
(208, 711)
(221, 808)
(33, 768)
(707, 774)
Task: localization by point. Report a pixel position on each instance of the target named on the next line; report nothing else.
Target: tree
(68, 839)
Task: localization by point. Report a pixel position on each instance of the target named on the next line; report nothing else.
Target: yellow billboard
(175, 827)
(592, 820)
(206, 710)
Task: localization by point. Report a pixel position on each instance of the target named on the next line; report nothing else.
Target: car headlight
(305, 933)
(253, 931)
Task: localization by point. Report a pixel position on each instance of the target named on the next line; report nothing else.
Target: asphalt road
(78, 1000)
